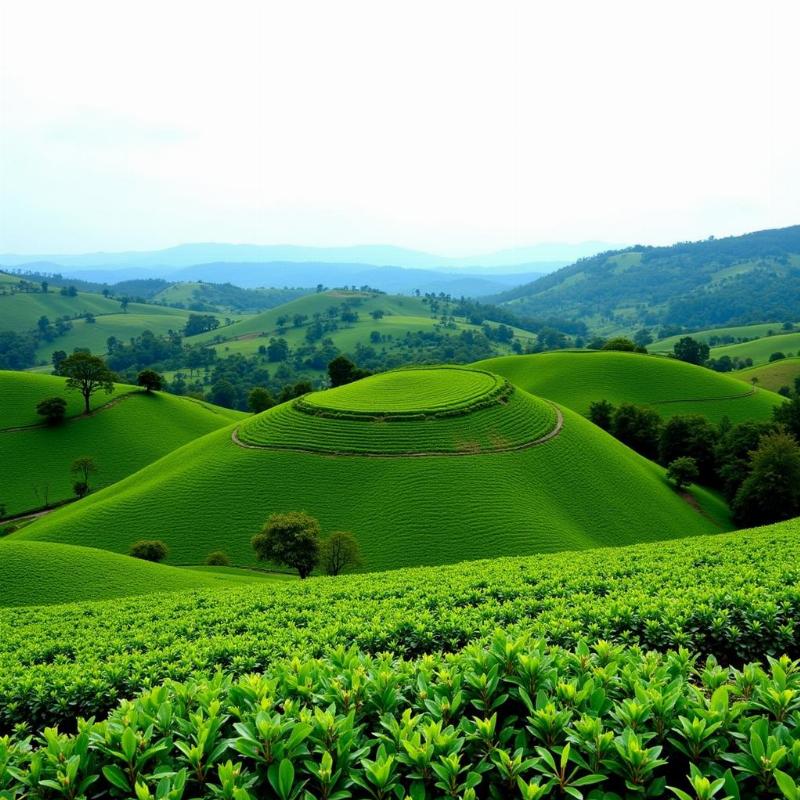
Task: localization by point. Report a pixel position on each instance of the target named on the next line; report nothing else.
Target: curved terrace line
(552, 434)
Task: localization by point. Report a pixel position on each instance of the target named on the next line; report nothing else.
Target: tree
(223, 393)
(643, 337)
(690, 435)
(150, 380)
(601, 413)
(260, 400)
(691, 351)
(149, 550)
(339, 551)
(123, 304)
(218, 558)
(56, 359)
(200, 323)
(682, 472)
(53, 409)
(771, 492)
(82, 468)
(638, 427)
(779, 356)
(291, 539)
(732, 454)
(342, 370)
(87, 374)
(277, 350)
(788, 415)
(620, 343)
(291, 391)
(377, 314)
(45, 287)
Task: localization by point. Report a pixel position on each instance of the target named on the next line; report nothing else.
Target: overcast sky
(457, 127)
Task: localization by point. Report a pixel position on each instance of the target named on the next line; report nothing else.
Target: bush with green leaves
(149, 550)
(515, 718)
(218, 558)
(735, 596)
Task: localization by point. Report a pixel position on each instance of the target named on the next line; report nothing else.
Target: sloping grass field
(579, 489)
(131, 430)
(737, 332)
(761, 349)
(772, 376)
(578, 378)
(39, 573)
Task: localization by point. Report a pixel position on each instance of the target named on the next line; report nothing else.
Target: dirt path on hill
(411, 454)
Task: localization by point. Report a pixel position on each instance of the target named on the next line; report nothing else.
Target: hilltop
(475, 468)
(731, 281)
(127, 430)
(578, 378)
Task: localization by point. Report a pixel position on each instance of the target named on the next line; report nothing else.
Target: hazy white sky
(457, 127)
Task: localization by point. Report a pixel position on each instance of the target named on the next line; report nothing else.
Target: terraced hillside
(772, 376)
(578, 378)
(126, 431)
(469, 495)
(43, 573)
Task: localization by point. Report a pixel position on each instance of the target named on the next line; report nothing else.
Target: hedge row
(513, 719)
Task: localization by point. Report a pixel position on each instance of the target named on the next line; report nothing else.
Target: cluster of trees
(755, 464)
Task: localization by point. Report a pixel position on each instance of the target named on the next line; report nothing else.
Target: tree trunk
(86, 396)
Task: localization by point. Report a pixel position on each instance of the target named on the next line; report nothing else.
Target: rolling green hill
(39, 573)
(772, 376)
(732, 281)
(400, 315)
(578, 378)
(488, 486)
(717, 337)
(761, 349)
(128, 430)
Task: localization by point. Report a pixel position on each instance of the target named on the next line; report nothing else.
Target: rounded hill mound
(536, 478)
(578, 378)
(421, 411)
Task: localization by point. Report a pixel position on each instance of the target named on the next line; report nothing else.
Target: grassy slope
(760, 349)
(772, 376)
(37, 573)
(402, 314)
(576, 379)
(579, 490)
(737, 331)
(122, 438)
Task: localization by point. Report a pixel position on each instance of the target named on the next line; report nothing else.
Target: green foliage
(339, 551)
(638, 427)
(218, 558)
(620, 343)
(771, 491)
(342, 370)
(682, 472)
(691, 351)
(290, 539)
(53, 409)
(735, 596)
(87, 374)
(149, 550)
(259, 400)
(150, 380)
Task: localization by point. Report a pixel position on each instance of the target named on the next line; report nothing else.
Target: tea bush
(514, 718)
(733, 596)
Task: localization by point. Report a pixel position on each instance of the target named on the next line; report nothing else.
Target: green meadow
(578, 378)
(761, 349)
(774, 376)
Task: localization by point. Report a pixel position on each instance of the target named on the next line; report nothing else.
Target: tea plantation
(578, 378)
(130, 430)
(614, 673)
(501, 474)
(36, 573)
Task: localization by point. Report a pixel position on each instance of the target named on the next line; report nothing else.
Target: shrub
(218, 558)
(53, 409)
(149, 550)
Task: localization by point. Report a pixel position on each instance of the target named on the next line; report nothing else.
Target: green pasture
(772, 376)
(761, 349)
(134, 429)
(578, 378)
(757, 331)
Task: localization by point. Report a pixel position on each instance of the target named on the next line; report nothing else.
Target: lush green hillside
(720, 336)
(39, 573)
(577, 378)
(472, 497)
(772, 376)
(129, 430)
(761, 349)
(401, 315)
(731, 281)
